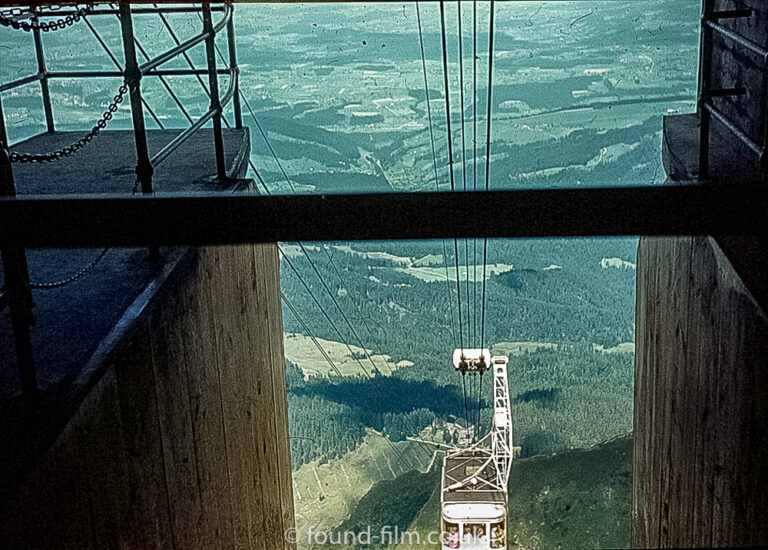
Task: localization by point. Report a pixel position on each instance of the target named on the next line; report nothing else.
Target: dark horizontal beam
(120, 74)
(136, 11)
(204, 219)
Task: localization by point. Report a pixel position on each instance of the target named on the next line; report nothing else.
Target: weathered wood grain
(197, 332)
(179, 444)
(705, 384)
(700, 400)
(176, 432)
(274, 317)
(149, 515)
(678, 439)
(237, 403)
(264, 431)
(103, 460)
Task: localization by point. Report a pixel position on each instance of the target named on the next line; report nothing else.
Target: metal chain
(26, 158)
(66, 151)
(73, 278)
(7, 19)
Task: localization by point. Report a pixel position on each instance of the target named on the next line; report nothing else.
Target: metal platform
(72, 321)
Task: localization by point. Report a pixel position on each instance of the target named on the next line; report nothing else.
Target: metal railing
(134, 72)
(710, 25)
(16, 292)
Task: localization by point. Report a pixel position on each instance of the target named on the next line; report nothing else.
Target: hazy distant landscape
(579, 92)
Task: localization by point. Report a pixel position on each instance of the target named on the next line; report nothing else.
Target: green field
(327, 492)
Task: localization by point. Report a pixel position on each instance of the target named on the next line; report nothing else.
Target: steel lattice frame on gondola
(473, 493)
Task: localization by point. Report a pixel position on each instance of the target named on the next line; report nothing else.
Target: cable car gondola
(473, 492)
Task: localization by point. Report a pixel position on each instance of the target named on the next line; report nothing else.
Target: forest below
(566, 391)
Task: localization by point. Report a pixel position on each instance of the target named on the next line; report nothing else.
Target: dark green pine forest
(567, 395)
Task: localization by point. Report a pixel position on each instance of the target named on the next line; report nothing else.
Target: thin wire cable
(479, 403)
(466, 281)
(434, 163)
(325, 313)
(343, 379)
(358, 308)
(285, 175)
(375, 381)
(466, 408)
(487, 156)
(120, 68)
(306, 254)
(164, 82)
(192, 66)
(472, 400)
(464, 157)
(266, 140)
(343, 340)
(458, 293)
(450, 161)
(338, 307)
(461, 99)
(475, 312)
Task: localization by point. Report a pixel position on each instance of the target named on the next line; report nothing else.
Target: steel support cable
(325, 314)
(470, 409)
(330, 321)
(311, 262)
(290, 184)
(474, 165)
(266, 140)
(487, 157)
(343, 380)
(285, 175)
(120, 68)
(406, 424)
(314, 267)
(373, 380)
(434, 161)
(450, 161)
(479, 402)
(466, 408)
(306, 254)
(316, 301)
(344, 341)
(464, 159)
